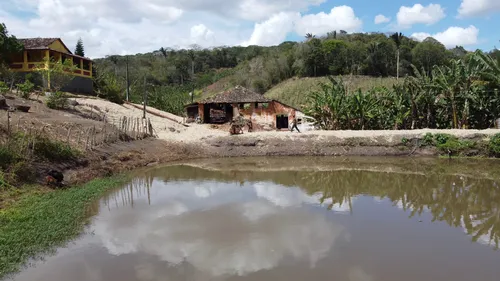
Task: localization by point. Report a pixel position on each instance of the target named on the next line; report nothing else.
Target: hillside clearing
(295, 91)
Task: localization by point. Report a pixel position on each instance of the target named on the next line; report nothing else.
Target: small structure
(239, 100)
(39, 51)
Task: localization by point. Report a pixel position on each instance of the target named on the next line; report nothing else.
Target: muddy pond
(272, 219)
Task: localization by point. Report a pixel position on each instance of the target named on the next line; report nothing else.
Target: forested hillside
(169, 75)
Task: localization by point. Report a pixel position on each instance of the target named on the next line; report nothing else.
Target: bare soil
(178, 141)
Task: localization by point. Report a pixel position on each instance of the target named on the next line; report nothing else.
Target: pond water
(292, 219)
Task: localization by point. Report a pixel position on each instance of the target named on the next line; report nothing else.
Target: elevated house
(223, 107)
(39, 51)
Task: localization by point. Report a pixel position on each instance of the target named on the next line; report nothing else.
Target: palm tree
(309, 36)
(163, 51)
(396, 37)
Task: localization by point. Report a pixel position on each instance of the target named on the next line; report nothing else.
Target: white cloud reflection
(224, 234)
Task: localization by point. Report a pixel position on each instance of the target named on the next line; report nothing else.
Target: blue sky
(130, 26)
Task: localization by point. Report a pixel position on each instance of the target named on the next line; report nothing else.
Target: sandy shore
(171, 128)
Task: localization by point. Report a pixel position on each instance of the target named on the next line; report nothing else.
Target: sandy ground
(170, 130)
(165, 128)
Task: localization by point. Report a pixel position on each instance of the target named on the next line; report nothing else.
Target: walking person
(294, 123)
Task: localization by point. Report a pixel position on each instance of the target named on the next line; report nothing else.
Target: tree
(396, 37)
(57, 74)
(79, 50)
(8, 44)
(309, 36)
(428, 54)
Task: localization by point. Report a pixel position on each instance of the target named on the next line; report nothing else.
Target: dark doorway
(206, 113)
(281, 122)
(229, 112)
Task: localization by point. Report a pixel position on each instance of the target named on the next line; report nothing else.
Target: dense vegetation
(464, 93)
(171, 74)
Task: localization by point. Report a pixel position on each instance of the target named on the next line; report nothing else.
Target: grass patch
(20, 151)
(295, 91)
(42, 221)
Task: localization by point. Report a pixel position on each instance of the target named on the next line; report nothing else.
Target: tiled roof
(37, 43)
(238, 94)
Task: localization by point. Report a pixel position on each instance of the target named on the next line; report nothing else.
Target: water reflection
(467, 202)
(235, 222)
(217, 228)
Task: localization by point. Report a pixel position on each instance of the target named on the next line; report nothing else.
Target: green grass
(295, 91)
(41, 221)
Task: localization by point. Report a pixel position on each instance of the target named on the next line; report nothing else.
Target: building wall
(58, 46)
(80, 85)
(201, 112)
(266, 117)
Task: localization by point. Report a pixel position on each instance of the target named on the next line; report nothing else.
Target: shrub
(441, 139)
(7, 156)
(26, 88)
(54, 150)
(3, 87)
(448, 143)
(57, 100)
(428, 140)
(111, 90)
(494, 145)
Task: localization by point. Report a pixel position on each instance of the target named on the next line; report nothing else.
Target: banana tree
(329, 106)
(447, 80)
(365, 105)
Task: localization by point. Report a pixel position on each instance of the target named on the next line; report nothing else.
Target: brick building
(239, 100)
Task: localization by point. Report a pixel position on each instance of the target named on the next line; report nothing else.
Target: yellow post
(81, 64)
(90, 66)
(47, 67)
(25, 60)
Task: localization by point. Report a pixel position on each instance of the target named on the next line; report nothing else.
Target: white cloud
(339, 18)
(418, 14)
(200, 34)
(272, 31)
(453, 36)
(381, 19)
(470, 8)
(126, 26)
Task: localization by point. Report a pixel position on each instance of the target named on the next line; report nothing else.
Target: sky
(122, 27)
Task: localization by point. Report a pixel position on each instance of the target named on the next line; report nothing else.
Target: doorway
(281, 122)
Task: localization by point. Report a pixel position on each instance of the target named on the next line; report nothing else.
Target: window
(244, 105)
(264, 105)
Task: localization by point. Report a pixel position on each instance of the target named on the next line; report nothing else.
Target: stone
(73, 102)
(23, 108)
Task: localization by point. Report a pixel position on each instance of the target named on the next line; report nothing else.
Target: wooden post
(144, 99)
(69, 133)
(8, 123)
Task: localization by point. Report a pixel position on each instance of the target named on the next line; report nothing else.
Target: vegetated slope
(295, 91)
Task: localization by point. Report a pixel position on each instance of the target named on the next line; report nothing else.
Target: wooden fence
(79, 135)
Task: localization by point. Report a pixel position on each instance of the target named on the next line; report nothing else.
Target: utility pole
(128, 82)
(144, 99)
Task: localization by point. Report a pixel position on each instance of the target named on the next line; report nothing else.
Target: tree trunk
(397, 65)
(428, 115)
(455, 117)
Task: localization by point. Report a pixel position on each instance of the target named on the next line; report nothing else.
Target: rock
(23, 108)
(73, 102)
(172, 129)
(3, 101)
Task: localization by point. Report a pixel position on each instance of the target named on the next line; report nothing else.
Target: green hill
(295, 91)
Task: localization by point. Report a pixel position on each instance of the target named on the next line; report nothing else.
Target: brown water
(292, 219)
